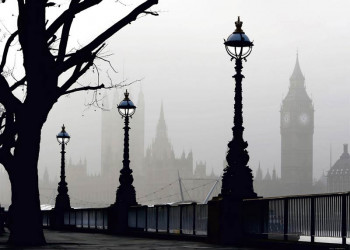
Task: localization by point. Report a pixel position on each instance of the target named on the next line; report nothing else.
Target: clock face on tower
(286, 118)
(304, 118)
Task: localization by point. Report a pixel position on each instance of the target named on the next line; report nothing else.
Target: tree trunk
(25, 214)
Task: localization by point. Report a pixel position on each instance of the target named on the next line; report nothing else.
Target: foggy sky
(181, 60)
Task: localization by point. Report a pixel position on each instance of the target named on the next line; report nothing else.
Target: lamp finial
(238, 26)
(126, 94)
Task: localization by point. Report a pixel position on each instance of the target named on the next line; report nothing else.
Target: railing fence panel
(92, 219)
(276, 217)
(187, 219)
(151, 219)
(162, 218)
(328, 214)
(201, 219)
(66, 218)
(132, 212)
(323, 215)
(79, 218)
(141, 217)
(299, 220)
(174, 220)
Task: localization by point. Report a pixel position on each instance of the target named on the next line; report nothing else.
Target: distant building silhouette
(156, 174)
(297, 129)
(338, 177)
(269, 185)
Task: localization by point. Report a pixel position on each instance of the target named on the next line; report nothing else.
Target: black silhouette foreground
(237, 180)
(126, 194)
(43, 46)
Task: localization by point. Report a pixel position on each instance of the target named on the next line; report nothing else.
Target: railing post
(312, 233)
(343, 218)
(103, 219)
(180, 219)
(146, 221)
(285, 219)
(88, 218)
(167, 218)
(194, 217)
(157, 210)
(95, 219)
(136, 215)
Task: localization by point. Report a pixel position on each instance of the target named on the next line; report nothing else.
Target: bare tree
(45, 59)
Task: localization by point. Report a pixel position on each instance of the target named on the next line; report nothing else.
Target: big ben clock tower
(297, 129)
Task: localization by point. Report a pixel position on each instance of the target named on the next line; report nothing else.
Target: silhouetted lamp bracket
(238, 45)
(63, 137)
(126, 108)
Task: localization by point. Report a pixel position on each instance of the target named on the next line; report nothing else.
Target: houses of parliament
(181, 179)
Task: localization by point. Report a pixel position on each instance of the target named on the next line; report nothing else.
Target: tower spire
(161, 116)
(297, 75)
(330, 156)
(259, 174)
(161, 127)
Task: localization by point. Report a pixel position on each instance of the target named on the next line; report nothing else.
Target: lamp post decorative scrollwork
(62, 199)
(126, 194)
(237, 180)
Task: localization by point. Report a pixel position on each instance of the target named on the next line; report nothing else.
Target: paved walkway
(73, 240)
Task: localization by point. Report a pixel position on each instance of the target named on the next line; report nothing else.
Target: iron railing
(319, 215)
(84, 218)
(189, 219)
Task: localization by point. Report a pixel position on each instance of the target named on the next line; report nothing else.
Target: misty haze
(296, 102)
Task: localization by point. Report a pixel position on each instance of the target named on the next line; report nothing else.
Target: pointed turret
(161, 146)
(258, 176)
(297, 95)
(161, 126)
(330, 157)
(267, 176)
(297, 75)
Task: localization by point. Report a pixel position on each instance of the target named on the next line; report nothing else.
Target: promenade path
(92, 241)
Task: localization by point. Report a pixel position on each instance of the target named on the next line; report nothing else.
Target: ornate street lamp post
(62, 199)
(237, 180)
(126, 195)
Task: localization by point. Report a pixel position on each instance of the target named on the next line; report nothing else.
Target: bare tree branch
(102, 86)
(6, 97)
(81, 54)
(78, 72)
(18, 84)
(69, 14)
(6, 158)
(65, 33)
(153, 13)
(6, 49)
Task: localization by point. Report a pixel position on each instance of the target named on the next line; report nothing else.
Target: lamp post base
(62, 202)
